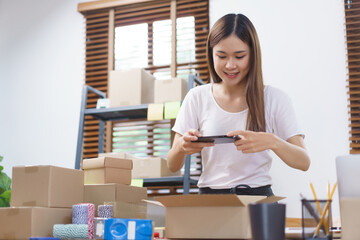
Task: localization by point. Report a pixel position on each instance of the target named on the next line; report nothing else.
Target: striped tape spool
(105, 211)
(65, 231)
(89, 216)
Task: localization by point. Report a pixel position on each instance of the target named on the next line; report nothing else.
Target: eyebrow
(242, 51)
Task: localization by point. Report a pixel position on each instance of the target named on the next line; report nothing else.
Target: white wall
(42, 71)
(42, 50)
(303, 50)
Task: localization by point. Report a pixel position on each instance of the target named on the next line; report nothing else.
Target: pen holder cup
(316, 219)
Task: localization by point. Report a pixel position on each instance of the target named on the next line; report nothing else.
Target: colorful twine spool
(84, 213)
(105, 211)
(67, 231)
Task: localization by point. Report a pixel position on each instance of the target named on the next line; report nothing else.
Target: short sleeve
(187, 116)
(283, 116)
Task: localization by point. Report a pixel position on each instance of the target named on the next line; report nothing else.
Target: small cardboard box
(130, 87)
(26, 222)
(209, 216)
(100, 193)
(349, 213)
(107, 170)
(170, 90)
(46, 186)
(151, 167)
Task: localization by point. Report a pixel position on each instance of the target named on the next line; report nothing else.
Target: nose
(230, 64)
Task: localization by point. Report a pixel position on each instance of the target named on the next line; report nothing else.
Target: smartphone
(217, 139)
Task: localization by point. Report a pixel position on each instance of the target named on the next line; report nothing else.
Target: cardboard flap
(107, 162)
(270, 199)
(204, 200)
(152, 202)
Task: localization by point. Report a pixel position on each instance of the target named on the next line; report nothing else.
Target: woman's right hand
(189, 146)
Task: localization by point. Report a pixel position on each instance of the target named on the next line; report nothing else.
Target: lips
(232, 75)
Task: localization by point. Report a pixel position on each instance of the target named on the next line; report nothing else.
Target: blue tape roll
(126, 229)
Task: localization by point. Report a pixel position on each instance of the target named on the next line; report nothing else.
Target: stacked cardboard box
(130, 87)
(107, 170)
(170, 90)
(107, 181)
(145, 167)
(41, 197)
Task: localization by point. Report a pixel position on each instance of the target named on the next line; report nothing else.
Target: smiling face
(231, 58)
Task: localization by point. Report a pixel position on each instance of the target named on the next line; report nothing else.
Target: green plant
(5, 187)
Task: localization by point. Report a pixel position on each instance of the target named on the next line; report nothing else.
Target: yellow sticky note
(171, 110)
(137, 182)
(155, 112)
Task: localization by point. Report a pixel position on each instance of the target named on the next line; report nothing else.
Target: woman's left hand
(251, 142)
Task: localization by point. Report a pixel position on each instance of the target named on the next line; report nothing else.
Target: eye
(240, 57)
(221, 57)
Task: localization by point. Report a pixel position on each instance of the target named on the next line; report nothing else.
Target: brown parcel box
(130, 87)
(136, 210)
(209, 216)
(349, 212)
(151, 167)
(100, 193)
(46, 186)
(26, 222)
(171, 90)
(107, 170)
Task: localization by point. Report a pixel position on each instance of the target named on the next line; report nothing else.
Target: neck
(233, 91)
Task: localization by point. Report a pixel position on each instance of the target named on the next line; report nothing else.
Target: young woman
(237, 104)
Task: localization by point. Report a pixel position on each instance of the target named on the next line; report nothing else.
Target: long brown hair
(241, 26)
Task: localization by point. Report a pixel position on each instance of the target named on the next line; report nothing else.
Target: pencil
(315, 197)
(325, 210)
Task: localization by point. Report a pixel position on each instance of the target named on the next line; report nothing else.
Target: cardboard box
(170, 90)
(129, 210)
(349, 213)
(26, 222)
(46, 186)
(151, 167)
(107, 170)
(100, 193)
(130, 87)
(123, 155)
(209, 216)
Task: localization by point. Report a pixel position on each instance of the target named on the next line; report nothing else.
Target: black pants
(241, 189)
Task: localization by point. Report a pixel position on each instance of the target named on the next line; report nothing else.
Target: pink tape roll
(91, 215)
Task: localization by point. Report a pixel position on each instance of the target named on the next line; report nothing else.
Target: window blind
(352, 16)
(151, 49)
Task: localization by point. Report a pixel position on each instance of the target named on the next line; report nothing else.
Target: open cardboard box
(209, 216)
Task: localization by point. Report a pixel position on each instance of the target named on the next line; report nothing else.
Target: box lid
(102, 162)
(206, 200)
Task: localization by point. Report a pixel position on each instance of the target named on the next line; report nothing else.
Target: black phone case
(217, 139)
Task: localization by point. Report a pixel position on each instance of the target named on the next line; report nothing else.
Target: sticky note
(137, 182)
(171, 110)
(155, 112)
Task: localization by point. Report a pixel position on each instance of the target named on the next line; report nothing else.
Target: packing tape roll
(89, 215)
(105, 211)
(71, 231)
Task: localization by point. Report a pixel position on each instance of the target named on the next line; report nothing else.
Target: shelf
(118, 113)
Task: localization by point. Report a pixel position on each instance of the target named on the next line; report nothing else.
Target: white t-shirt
(223, 165)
